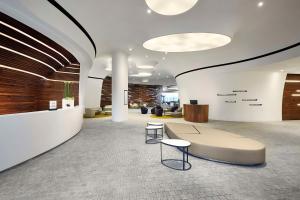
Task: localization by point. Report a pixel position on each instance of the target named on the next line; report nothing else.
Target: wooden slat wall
(136, 93)
(149, 94)
(290, 110)
(106, 91)
(54, 91)
(18, 92)
(24, 92)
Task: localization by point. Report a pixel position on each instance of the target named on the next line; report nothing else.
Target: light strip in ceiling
(19, 53)
(297, 90)
(295, 95)
(27, 35)
(75, 64)
(19, 41)
(34, 74)
(73, 68)
(292, 81)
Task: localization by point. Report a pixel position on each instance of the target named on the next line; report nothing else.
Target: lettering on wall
(236, 93)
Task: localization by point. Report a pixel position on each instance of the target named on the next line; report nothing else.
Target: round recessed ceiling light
(145, 81)
(145, 67)
(142, 74)
(260, 4)
(108, 69)
(171, 7)
(187, 42)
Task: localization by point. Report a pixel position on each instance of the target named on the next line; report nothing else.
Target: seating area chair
(159, 111)
(153, 111)
(176, 113)
(144, 110)
(107, 110)
(91, 112)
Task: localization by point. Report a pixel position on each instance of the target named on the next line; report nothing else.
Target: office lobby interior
(150, 99)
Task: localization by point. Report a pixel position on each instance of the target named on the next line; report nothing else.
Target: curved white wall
(26, 135)
(266, 86)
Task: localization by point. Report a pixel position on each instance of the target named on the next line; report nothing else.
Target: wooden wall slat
(5, 18)
(290, 110)
(23, 92)
(137, 93)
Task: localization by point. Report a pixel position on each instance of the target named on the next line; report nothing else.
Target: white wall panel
(266, 87)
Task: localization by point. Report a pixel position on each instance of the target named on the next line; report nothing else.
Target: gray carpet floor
(109, 160)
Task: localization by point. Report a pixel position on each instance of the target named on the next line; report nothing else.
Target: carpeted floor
(109, 160)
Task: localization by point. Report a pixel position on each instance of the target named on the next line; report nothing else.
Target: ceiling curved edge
(241, 61)
(68, 15)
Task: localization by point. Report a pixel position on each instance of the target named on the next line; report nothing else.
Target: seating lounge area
(150, 100)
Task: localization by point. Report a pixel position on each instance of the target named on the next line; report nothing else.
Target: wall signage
(226, 94)
(249, 99)
(230, 101)
(239, 91)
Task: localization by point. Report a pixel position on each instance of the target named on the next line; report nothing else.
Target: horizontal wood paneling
(149, 94)
(5, 18)
(290, 110)
(24, 92)
(18, 92)
(55, 91)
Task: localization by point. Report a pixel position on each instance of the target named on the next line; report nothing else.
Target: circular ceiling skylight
(187, 42)
(170, 7)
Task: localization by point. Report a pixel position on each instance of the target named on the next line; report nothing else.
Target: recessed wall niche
(33, 69)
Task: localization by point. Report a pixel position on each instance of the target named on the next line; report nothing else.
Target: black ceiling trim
(241, 61)
(66, 13)
(93, 77)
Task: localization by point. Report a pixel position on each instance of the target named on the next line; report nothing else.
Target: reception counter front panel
(26, 135)
(195, 113)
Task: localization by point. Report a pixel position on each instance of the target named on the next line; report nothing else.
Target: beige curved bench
(218, 145)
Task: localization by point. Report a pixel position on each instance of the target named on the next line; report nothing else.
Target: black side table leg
(161, 153)
(187, 154)
(183, 160)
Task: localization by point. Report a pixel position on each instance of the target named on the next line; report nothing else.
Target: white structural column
(119, 85)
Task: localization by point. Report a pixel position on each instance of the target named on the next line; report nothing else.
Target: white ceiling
(124, 24)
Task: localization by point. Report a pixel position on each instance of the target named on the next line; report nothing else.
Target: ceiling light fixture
(142, 74)
(187, 42)
(149, 11)
(260, 4)
(295, 95)
(145, 81)
(145, 67)
(108, 69)
(171, 7)
(130, 49)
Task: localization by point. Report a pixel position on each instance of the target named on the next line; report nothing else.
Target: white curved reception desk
(26, 135)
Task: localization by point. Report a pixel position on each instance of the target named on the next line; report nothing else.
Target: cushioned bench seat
(218, 145)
